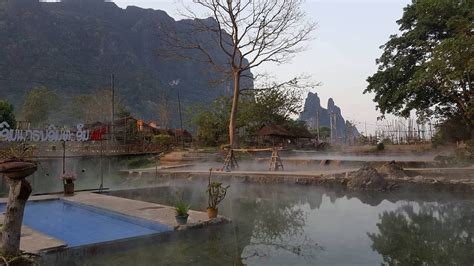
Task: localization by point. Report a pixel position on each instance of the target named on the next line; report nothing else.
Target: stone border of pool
(331, 178)
(36, 242)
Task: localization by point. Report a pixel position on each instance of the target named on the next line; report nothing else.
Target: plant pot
(212, 212)
(17, 169)
(182, 219)
(69, 189)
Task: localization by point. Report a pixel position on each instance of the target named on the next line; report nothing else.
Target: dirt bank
(339, 180)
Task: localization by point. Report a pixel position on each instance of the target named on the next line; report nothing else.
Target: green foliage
(181, 208)
(123, 112)
(93, 107)
(213, 121)
(429, 66)
(163, 140)
(7, 114)
(41, 106)
(216, 194)
(324, 132)
(136, 162)
(380, 146)
(451, 130)
(273, 105)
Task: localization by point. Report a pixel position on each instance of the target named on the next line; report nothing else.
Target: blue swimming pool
(78, 224)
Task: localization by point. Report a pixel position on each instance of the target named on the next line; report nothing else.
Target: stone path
(150, 211)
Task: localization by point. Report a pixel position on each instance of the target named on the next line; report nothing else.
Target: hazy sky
(342, 54)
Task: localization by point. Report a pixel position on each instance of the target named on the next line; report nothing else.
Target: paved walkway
(150, 211)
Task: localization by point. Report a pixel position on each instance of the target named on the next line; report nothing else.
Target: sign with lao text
(50, 134)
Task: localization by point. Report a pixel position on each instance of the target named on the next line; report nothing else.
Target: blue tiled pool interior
(78, 224)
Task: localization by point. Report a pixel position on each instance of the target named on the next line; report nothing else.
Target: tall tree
(429, 66)
(211, 121)
(273, 105)
(164, 110)
(96, 106)
(249, 33)
(40, 105)
(7, 114)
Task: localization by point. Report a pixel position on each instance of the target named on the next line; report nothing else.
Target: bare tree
(249, 33)
(163, 109)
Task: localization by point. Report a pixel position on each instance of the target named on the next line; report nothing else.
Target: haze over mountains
(74, 46)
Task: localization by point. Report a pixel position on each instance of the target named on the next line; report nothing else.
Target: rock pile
(391, 170)
(366, 178)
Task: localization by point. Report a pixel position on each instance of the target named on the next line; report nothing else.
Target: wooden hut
(181, 134)
(272, 135)
(276, 135)
(302, 138)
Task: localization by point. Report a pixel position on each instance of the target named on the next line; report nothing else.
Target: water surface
(294, 225)
(77, 224)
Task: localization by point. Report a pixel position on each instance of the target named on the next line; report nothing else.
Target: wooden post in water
(230, 163)
(275, 162)
(64, 156)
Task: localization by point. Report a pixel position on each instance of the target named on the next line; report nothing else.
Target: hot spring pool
(78, 224)
(297, 225)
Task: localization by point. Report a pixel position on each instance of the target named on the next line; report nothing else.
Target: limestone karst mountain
(74, 46)
(313, 109)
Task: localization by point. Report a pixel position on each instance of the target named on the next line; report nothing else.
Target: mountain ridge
(74, 46)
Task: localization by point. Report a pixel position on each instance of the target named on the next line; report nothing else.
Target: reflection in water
(278, 227)
(432, 234)
(292, 225)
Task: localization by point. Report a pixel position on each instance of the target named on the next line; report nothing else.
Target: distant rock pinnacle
(312, 108)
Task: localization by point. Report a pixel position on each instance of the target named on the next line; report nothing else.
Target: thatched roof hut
(278, 135)
(301, 133)
(273, 131)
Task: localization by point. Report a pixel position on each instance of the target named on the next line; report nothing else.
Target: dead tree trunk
(20, 190)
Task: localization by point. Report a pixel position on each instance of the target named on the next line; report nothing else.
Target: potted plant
(182, 215)
(68, 182)
(216, 193)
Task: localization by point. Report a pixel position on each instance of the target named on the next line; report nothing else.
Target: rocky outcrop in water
(313, 109)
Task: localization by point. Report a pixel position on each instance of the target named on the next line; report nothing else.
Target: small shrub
(216, 192)
(137, 162)
(181, 208)
(380, 146)
(163, 140)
